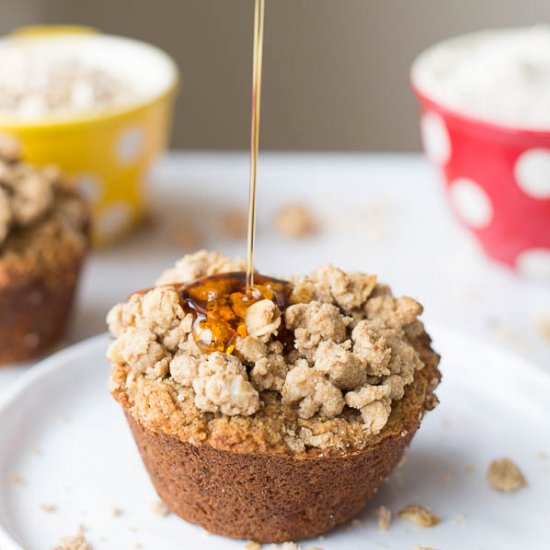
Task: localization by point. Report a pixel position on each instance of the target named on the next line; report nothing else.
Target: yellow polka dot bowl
(107, 153)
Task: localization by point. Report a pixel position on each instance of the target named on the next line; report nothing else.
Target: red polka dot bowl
(497, 180)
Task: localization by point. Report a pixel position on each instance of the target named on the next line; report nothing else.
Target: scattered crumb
(76, 542)
(47, 507)
(252, 546)
(17, 479)
(186, 236)
(402, 462)
(383, 516)
(81, 529)
(374, 219)
(504, 475)
(132, 529)
(399, 478)
(470, 469)
(459, 517)
(61, 418)
(542, 455)
(138, 545)
(234, 224)
(115, 512)
(424, 547)
(506, 334)
(356, 522)
(292, 546)
(543, 327)
(149, 221)
(295, 221)
(159, 508)
(419, 515)
(37, 451)
(446, 478)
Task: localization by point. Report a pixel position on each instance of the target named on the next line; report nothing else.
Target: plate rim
(37, 372)
(58, 360)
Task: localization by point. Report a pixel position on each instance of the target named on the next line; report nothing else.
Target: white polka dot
(129, 145)
(114, 219)
(435, 138)
(89, 186)
(532, 171)
(535, 264)
(471, 202)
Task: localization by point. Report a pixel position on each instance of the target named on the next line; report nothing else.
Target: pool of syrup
(219, 304)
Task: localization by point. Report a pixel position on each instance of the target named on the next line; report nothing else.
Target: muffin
(43, 241)
(271, 415)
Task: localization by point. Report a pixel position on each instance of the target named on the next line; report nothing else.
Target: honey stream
(219, 303)
(259, 9)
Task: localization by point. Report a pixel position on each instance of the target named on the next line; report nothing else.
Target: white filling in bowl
(500, 76)
(67, 76)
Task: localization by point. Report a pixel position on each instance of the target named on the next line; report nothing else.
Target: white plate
(66, 437)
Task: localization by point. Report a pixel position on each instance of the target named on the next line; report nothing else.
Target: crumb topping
(36, 204)
(504, 475)
(354, 349)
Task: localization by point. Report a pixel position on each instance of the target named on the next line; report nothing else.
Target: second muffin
(43, 241)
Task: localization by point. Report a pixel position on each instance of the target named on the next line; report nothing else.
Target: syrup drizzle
(219, 303)
(259, 9)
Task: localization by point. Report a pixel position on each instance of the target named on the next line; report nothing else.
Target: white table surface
(381, 213)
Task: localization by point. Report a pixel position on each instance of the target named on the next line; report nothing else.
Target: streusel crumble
(354, 349)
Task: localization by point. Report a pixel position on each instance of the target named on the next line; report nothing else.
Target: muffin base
(262, 497)
(274, 496)
(34, 312)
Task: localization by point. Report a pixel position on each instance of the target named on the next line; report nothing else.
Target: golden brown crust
(274, 497)
(165, 409)
(35, 309)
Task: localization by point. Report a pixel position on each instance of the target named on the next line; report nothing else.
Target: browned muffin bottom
(39, 272)
(274, 497)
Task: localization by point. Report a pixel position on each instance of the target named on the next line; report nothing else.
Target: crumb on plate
(234, 224)
(504, 475)
(295, 221)
(543, 327)
(75, 542)
(383, 517)
(419, 515)
(17, 479)
(48, 507)
(159, 508)
(115, 512)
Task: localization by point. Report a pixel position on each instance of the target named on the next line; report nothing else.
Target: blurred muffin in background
(44, 226)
